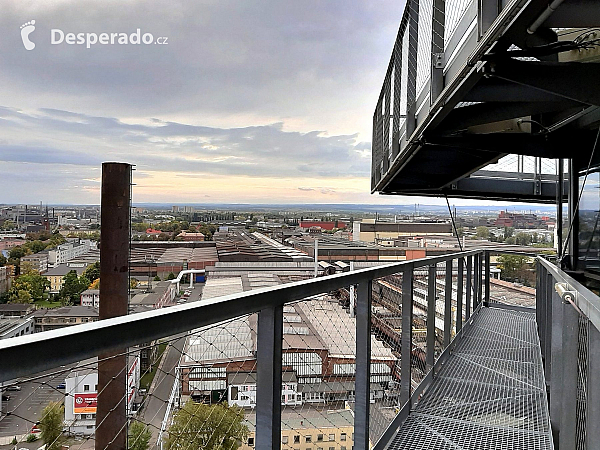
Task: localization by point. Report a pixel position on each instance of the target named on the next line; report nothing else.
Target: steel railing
(462, 294)
(568, 318)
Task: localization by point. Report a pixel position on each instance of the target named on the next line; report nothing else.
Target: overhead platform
(470, 82)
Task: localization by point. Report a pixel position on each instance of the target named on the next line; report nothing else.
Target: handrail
(78, 342)
(585, 300)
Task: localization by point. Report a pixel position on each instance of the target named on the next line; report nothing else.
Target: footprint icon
(26, 29)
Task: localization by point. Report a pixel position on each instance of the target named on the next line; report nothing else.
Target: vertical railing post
(431, 304)
(593, 387)
(459, 295)
(469, 287)
(411, 85)
(487, 277)
(268, 386)
(487, 12)
(475, 281)
(363, 364)
(553, 362)
(479, 280)
(406, 350)
(570, 335)
(448, 304)
(548, 323)
(437, 49)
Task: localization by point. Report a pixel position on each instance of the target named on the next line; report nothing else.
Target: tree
(523, 238)
(512, 266)
(73, 287)
(482, 232)
(27, 288)
(171, 276)
(139, 437)
(51, 425)
(92, 272)
(156, 278)
(210, 427)
(3, 260)
(133, 283)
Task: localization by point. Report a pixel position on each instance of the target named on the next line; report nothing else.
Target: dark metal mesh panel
(489, 394)
(582, 372)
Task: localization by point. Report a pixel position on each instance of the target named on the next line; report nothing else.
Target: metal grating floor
(489, 394)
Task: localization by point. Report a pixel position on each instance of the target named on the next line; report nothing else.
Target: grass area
(146, 380)
(48, 304)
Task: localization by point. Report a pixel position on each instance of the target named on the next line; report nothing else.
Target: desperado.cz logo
(58, 36)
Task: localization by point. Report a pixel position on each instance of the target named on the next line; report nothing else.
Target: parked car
(14, 387)
(61, 386)
(5, 397)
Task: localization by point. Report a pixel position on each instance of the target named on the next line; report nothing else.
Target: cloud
(63, 137)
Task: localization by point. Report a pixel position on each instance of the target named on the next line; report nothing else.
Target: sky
(246, 102)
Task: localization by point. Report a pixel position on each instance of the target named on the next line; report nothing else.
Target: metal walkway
(490, 394)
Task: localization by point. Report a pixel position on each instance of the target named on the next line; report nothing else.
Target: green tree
(171, 276)
(3, 260)
(210, 427)
(156, 278)
(512, 266)
(482, 232)
(73, 287)
(8, 225)
(92, 272)
(522, 238)
(508, 232)
(139, 436)
(51, 425)
(17, 252)
(27, 288)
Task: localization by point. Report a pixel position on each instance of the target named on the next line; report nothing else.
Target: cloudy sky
(249, 101)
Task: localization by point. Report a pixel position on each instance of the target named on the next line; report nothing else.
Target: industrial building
(372, 230)
(219, 362)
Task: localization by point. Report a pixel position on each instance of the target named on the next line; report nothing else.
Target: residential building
(163, 294)
(82, 386)
(51, 319)
(91, 297)
(66, 252)
(5, 279)
(56, 276)
(39, 261)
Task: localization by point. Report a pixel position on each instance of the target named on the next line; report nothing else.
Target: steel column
(487, 277)
(268, 385)
(570, 334)
(559, 204)
(431, 301)
(476, 281)
(411, 85)
(469, 286)
(487, 12)
(459, 295)
(437, 49)
(553, 363)
(593, 387)
(448, 304)
(363, 365)
(407, 316)
(573, 238)
(111, 414)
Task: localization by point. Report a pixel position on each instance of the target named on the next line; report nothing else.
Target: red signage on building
(85, 403)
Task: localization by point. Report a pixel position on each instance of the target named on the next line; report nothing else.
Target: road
(25, 406)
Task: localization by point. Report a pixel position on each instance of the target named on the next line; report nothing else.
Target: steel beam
(487, 12)
(268, 385)
(448, 304)
(431, 301)
(569, 80)
(111, 414)
(406, 350)
(363, 364)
